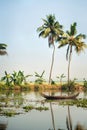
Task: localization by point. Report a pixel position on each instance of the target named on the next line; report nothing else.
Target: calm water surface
(53, 119)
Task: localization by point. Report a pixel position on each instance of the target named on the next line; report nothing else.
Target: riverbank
(44, 86)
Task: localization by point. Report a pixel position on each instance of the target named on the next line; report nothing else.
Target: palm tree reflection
(68, 121)
(52, 115)
(3, 126)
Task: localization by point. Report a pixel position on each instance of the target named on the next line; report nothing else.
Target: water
(53, 119)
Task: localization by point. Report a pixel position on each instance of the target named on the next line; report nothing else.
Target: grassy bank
(43, 86)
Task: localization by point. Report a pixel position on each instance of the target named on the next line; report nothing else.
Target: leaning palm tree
(51, 29)
(72, 40)
(3, 49)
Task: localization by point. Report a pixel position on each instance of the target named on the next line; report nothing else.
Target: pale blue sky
(19, 20)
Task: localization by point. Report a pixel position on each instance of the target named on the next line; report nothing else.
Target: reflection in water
(69, 122)
(79, 127)
(3, 126)
(52, 115)
(63, 119)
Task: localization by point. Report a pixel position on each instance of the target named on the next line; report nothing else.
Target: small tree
(18, 77)
(7, 79)
(62, 76)
(39, 77)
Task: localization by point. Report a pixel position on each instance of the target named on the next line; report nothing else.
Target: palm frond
(44, 20)
(40, 29)
(3, 49)
(63, 42)
(81, 37)
(3, 52)
(80, 47)
(67, 32)
(36, 74)
(42, 73)
(73, 30)
(3, 44)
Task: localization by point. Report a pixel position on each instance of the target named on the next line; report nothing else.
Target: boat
(52, 97)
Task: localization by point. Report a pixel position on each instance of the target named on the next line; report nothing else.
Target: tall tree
(3, 49)
(72, 40)
(51, 29)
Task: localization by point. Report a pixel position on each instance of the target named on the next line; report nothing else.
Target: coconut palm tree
(3, 49)
(72, 40)
(51, 29)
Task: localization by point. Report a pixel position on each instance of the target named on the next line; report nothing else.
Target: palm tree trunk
(52, 64)
(69, 67)
(69, 71)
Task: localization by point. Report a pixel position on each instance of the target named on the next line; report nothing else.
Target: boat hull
(49, 97)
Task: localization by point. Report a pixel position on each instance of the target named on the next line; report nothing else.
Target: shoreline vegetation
(44, 86)
(20, 81)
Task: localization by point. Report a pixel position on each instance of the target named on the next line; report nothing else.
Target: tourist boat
(52, 97)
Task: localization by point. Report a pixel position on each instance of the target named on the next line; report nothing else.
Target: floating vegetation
(40, 108)
(78, 103)
(0, 109)
(9, 113)
(28, 108)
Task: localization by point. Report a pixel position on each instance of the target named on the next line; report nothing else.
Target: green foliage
(0, 109)
(61, 77)
(78, 103)
(52, 82)
(9, 113)
(70, 86)
(85, 83)
(16, 78)
(3, 48)
(28, 108)
(50, 28)
(40, 108)
(39, 77)
(7, 79)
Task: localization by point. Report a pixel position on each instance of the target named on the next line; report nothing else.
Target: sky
(19, 20)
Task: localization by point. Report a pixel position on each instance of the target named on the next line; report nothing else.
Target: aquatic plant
(78, 103)
(30, 107)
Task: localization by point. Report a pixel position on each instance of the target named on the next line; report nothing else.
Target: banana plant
(18, 77)
(61, 77)
(39, 77)
(7, 79)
